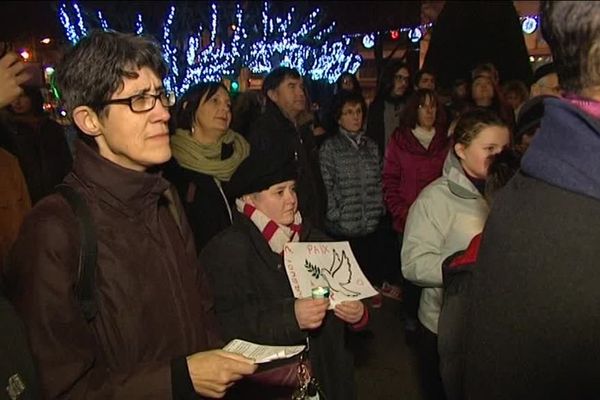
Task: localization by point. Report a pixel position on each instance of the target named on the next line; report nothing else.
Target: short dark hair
(572, 29)
(92, 71)
(410, 113)
(422, 72)
(474, 121)
(276, 76)
(343, 98)
(185, 111)
(355, 83)
(516, 86)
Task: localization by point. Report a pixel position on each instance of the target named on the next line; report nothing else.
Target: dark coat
(43, 154)
(376, 121)
(376, 125)
(17, 373)
(153, 299)
(457, 272)
(254, 302)
(204, 204)
(535, 308)
(273, 132)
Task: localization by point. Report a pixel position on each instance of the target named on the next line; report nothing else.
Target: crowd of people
(131, 256)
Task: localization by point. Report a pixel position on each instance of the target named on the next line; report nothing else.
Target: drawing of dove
(339, 275)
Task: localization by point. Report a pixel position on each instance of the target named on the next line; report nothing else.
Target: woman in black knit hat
(253, 297)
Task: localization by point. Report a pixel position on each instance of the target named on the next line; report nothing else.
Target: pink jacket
(408, 168)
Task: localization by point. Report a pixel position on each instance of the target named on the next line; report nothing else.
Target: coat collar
(565, 151)
(439, 142)
(458, 183)
(129, 191)
(275, 112)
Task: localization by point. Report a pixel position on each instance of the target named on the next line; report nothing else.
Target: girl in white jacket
(443, 220)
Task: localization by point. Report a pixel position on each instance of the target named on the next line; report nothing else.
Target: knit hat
(530, 116)
(543, 70)
(261, 170)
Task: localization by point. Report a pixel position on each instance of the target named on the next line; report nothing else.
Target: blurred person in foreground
(535, 306)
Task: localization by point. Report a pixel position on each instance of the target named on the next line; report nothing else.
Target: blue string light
(82, 29)
(72, 35)
(139, 25)
(281, 41)
(103, 22)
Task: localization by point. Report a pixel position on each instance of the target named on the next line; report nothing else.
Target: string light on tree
(139, 25)
(103, 23)
(259, 45)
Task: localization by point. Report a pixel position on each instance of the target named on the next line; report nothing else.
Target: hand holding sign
(329, 264)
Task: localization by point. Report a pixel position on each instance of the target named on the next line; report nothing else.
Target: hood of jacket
(566, 150)
(458, 182)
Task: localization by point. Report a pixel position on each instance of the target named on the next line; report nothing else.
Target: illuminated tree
(258, 43)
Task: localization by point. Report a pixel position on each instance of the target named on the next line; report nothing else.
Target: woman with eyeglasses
(351, 170)
(414, 159)
(206, 153)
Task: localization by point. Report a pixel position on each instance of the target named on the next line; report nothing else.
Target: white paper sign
(261, 353)
(331, 264)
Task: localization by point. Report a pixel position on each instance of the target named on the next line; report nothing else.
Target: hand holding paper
(261, 353)
(213, 372)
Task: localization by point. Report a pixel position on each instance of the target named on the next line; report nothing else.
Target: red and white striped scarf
(276, 235)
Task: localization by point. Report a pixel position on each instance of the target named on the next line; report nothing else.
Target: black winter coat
(43, 154)
(206, 207)
(535, 308)
(254, 302)
(452, 324)
(17, 373)
(274, 133)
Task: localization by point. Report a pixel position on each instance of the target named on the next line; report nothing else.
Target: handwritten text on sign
(330, 264)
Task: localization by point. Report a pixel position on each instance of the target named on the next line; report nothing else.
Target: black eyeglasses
(144, 102)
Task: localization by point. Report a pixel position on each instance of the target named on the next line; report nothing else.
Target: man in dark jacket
(154, 321)
(535, 310)
(277, 130)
